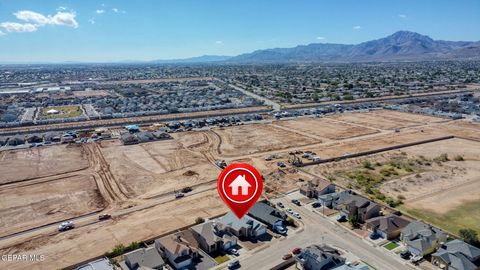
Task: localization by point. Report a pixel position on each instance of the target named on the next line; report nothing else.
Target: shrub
(199, 220)
(367, 165)
(458, 158)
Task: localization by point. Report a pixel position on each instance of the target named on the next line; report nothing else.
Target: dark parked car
(405, 255)
(186, 189)
(296, 251)
(280, 205)
(104, 217)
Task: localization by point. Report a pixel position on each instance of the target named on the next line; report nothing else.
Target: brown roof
(316, 184)
(388, 223)
(175, 243)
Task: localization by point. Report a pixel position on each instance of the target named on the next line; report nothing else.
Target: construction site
(138, 184)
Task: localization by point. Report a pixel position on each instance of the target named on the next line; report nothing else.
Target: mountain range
(400, 46)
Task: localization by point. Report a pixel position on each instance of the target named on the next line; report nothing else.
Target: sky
(33, 31)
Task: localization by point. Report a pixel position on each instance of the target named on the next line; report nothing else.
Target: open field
(37, 162)
(64, 249)
(159, 167)
(257, 138)
(95, 93)
(63, 112)
(135, 183)
(386, 119)
(326, 128)
(32, 205)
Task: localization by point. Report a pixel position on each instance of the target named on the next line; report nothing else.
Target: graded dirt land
(386, 119)
(325, 128)
(59, 198)
(18, 165)
(96, 238)
(257, 138)
(135, 183)
(160, 167)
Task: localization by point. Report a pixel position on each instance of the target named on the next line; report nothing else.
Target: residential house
(317, 257)
(213, 237)
(457, 255)
(422, 239)
(100, 264)
(388, 227)
(177, 250)
(351, 205)
(270, 216)
(143, 258)
(16, 140)
(316, 187)
(128, 139)
(246, 227)
(360, 266)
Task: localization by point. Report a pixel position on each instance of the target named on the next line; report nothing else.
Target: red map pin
(240, 185)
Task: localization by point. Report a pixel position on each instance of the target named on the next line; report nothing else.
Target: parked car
(186, 189)
(416, 259)
(297, 215)
(279, 204)
(296, 251)
(405, 255)
(287, 256)
(233, 264)
(341, 218)
(316, 204)
(65, 226)
(104, 217)
(179, 195)
(233, 251)
(289, 210)
(374, 236)
(297, 202)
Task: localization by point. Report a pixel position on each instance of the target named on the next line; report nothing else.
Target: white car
(297, 215)
(289, 210)
(65, 226)
(233, 251)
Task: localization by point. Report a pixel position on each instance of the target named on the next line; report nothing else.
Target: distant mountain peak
(400, 46)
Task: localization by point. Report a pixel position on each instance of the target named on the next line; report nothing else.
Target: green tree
(470, 236)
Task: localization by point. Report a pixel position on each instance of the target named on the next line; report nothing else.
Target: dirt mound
(190, 173)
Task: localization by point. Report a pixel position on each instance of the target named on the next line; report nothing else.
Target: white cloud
(18, 27)
(99, 11)
(64, 18)
(320, 38)
(402, 16)
(357, 27)
(115, 10)
(34, 20)
(91, 21)
(2, 33)
(61, 8)
(218, 42)
(32, 17)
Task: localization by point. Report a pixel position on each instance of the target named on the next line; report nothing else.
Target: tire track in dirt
(111, 190)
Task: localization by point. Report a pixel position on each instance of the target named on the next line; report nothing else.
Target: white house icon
(240, 182)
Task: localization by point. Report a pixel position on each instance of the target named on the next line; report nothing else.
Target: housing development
(364, 166)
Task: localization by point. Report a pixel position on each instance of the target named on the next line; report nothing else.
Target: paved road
(318, 230)
(275, 106)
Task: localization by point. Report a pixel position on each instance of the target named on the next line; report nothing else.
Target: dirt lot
(326, 128)
(32, 205)
(32, 163)
(256, 138)
(386, 119)
(63, 249)
(441, 188)
(159, 167)
(136, 181)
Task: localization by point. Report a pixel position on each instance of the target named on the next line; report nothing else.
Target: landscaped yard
(391, 246)
(221, 259)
